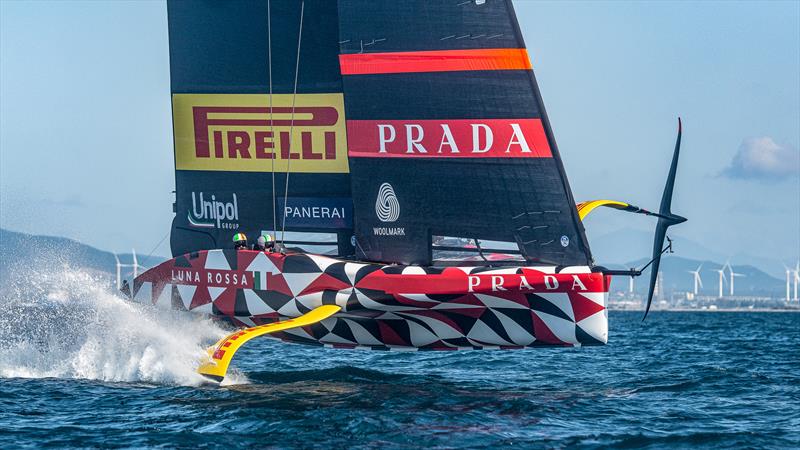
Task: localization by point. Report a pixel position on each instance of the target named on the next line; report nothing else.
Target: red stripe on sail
(435, 61)
(448, 138)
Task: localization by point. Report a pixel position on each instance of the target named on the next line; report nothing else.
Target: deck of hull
(387, 307)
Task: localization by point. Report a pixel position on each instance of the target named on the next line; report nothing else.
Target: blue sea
(82, 368)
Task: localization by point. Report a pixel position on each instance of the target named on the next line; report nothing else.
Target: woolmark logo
(211, 213)
(386, 205)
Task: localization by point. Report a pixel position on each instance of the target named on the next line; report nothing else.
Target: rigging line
(271, 121)
(291, 125)
(154, 248)
(358, 247)
(480, 250)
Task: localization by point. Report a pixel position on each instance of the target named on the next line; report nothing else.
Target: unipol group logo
(209, 212)
(259, 133)
(386, 205)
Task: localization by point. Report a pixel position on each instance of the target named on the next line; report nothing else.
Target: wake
(68, 323)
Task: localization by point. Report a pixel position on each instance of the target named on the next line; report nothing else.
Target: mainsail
(445, 138)
(447, 133)
(229, 130)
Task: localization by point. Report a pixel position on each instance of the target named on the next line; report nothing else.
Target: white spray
(67, 323)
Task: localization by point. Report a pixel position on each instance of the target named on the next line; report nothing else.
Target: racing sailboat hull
(387, 307)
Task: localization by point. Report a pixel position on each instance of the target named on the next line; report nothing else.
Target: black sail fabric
(447, 133)
(224, 140)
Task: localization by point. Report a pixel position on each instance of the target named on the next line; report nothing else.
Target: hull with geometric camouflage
(387, 307)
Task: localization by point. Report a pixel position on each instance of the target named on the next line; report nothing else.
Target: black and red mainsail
(401, 124)
(447, 133)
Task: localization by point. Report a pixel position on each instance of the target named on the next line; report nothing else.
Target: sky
(86, 134)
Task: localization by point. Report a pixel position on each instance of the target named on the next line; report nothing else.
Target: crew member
(264, 242)
(269, 243)
(240, 241)
(258, 245)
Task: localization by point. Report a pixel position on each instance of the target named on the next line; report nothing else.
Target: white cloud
(762, 158)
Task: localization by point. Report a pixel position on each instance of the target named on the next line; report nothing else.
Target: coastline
(757, 310)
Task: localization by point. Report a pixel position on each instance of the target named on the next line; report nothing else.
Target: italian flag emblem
(260, 280)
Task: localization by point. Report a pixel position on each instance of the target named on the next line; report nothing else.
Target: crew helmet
(239, 239)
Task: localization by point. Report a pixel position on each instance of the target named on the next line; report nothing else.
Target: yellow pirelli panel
(239, 132)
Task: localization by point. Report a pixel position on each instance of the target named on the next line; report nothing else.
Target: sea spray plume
(67, 323)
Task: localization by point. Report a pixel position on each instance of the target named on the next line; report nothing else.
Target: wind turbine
(732, 274)
(796, 278)
(788, 283)
(630, 285)
(721, 273)
(119, 276)
(697, 280)
(135, 266)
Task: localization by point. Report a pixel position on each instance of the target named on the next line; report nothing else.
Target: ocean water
(80, 367)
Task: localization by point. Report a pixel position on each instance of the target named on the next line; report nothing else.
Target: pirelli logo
(239, 132)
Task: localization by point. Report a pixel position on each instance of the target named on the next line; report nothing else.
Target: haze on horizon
(86, 130)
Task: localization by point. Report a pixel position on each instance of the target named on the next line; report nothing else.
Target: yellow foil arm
(584, 208)
(215, 364)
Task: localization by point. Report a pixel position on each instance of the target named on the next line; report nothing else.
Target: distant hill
(630, 244)
(20, 251)
(676, 276)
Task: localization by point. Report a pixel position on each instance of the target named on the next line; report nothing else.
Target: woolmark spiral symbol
(386, 205)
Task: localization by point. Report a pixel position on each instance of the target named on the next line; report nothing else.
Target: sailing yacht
(401, 155)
